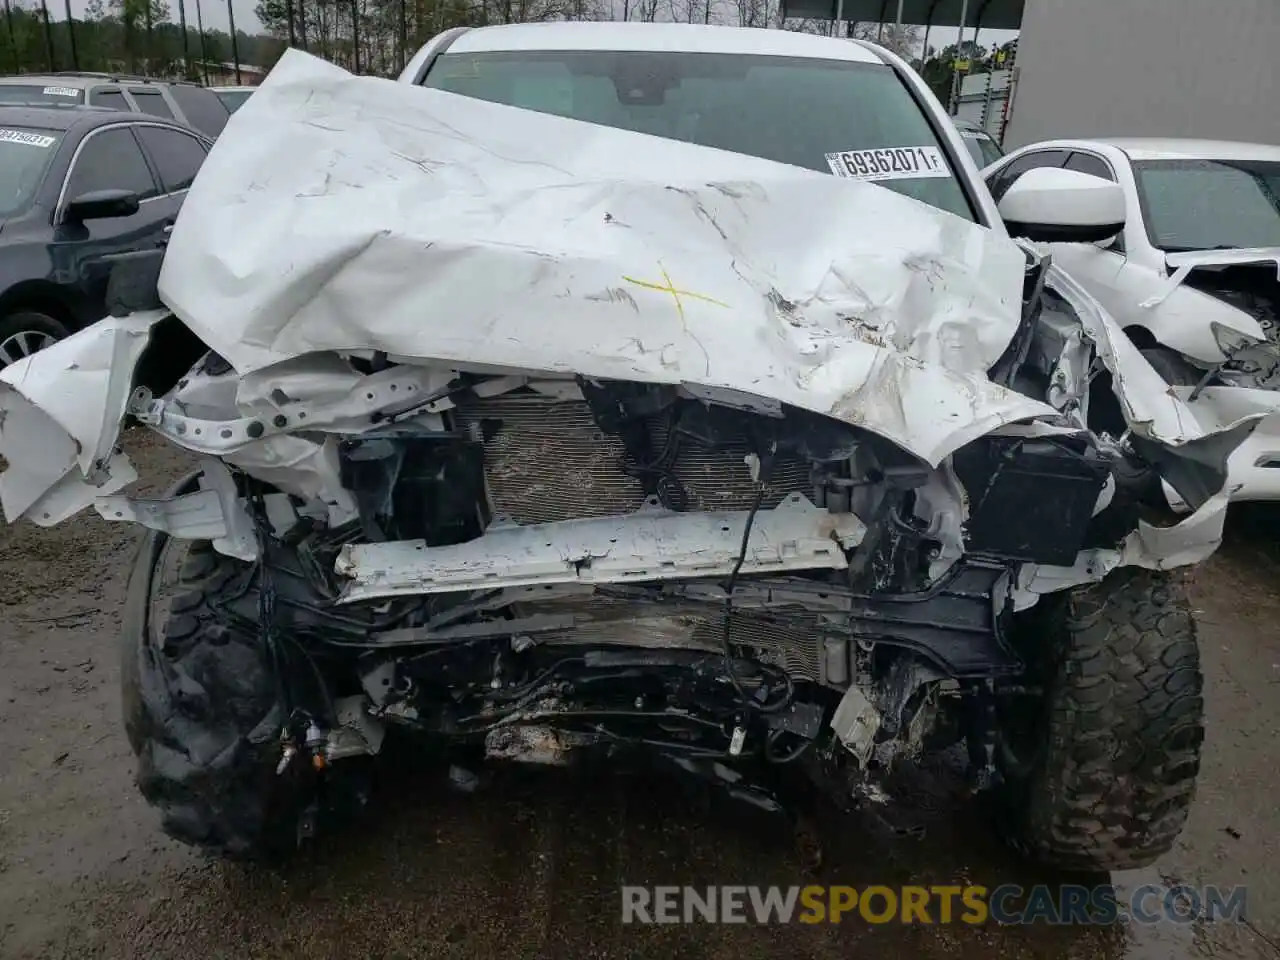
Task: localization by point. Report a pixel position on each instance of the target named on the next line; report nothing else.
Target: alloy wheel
(23, 344)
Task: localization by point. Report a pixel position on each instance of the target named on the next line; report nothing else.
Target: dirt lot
(531, 866)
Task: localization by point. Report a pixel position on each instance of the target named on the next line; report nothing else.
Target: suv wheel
(200, 705)
(1100, 771)
(26, 332)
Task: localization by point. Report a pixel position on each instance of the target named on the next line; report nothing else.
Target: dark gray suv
(188, 103)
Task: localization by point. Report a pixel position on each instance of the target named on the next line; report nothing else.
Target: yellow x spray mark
(676, 293)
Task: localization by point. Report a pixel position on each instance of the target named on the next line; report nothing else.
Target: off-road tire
(1123, 724)
(202, 712)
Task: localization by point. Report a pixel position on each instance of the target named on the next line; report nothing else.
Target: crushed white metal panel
(60, 413)
(455, 235)
(856, 722)
(649, 545)
(443, 228)
(1151, 407)
(1183, 263)
(83, 382)
(215, 512)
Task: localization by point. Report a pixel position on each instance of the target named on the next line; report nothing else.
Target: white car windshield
(792, 110)
(1210, 204)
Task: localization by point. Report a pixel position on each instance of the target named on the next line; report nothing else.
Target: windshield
(982, 148)
(25, 152)
(1209, 204)
(791, 110)
(40, 93)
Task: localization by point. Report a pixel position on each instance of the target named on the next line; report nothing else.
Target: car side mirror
(1052, 205)
(101, 205)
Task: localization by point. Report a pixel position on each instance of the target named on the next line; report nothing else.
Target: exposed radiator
(546, 460)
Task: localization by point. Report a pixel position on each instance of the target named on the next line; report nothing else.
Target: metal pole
(13, 41)
(355, 36)
(835, 27)
(977, 23)
(235, 44)
(146, 60)
(928, 25)
(204, 50)
(955, 72)
(71, 35)
(880, 22)
(186, 51)
(404, 33)
(899, 20)
(48, 34)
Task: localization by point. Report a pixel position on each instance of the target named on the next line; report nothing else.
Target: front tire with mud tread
(202, 712)
(1113, 782)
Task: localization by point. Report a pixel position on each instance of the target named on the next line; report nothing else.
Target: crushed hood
(358, 214)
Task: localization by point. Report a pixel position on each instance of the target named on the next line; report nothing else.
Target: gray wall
(1173, 68)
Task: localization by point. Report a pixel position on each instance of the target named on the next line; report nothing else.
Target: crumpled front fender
(60, 417)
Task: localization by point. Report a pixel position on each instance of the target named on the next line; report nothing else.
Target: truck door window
(1091, 164)
(1000, 181)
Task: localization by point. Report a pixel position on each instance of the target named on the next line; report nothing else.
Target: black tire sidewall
(1137, 691)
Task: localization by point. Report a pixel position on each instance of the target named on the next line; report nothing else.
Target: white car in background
(1194, 277)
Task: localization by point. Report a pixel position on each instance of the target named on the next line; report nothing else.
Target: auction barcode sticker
(889, 163)
(61, 92)
(30, 139)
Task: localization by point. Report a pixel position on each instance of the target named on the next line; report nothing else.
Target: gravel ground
(531, 865)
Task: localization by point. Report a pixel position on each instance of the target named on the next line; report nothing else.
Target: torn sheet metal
(215, 512)
(1153, 410)
(60, 414)
(1183, 263)
(443, 228)
(1253, 469)
(1188, 542)
(648, 545)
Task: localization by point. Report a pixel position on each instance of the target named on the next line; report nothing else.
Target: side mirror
(1051, 205)
(102, 204)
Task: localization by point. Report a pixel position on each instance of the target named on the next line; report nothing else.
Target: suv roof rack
(50, 105)
(115, 77)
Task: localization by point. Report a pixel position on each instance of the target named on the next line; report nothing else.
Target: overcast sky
(215, 17)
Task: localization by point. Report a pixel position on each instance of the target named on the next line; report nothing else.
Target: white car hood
(358, 214)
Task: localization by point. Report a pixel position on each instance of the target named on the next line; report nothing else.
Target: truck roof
(672, 37)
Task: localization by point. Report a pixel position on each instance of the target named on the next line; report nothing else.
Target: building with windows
(1109, 68)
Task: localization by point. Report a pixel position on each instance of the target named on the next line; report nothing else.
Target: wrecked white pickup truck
(539, 436)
